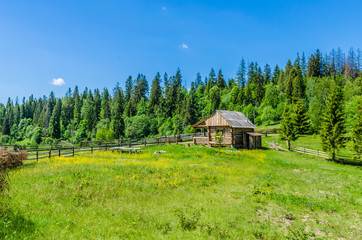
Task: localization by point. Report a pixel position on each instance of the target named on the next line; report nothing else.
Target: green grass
(311, 142)
(186, 193)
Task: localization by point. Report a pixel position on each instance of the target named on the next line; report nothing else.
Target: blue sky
(96, 43)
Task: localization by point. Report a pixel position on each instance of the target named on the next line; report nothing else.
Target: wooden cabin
(236, 129)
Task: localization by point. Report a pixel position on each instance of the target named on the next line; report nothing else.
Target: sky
(55, 45)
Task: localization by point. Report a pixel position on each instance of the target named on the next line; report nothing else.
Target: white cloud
(164, 8)
(58, 81)
(184, 46)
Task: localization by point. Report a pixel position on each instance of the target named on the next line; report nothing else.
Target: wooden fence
(49, 151)
(339, 158)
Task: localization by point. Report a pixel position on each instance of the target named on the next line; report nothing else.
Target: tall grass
(185, 193)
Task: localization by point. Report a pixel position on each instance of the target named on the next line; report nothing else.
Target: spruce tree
(267, 74)
(220, 81)
(156, 94)
(287, 126)
(275, 76)
(129, 88)
(357, 131)
(303, 65)
(97, 108)
(88, 110)
(6, 125)
(211, 80)
(118, 108)
(300, 118)
(198, 80)
(49, 109)
(105, 105)
(289, 86)
(333, 130)
(240, 75)
(54, 124)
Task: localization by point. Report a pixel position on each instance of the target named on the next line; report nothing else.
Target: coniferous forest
(161, 105)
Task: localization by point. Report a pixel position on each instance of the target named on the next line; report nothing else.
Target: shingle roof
(236, 119)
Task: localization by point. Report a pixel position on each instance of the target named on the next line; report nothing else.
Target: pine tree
(267, 74)
(6, 124)
(303, 65)
(211, 81)
(275, 75)
(289, 87)
(129, 88)
(54, 124)
(118, 108)
(300, 118)
(315, 65)
(333, 130)
(156, 94)
(88, 111)
(97, 108)
(106, 105)
(190, 108)
(298, 89)
(287, 126)
(357, 130)
(251, 73)
(240, 75)
(49, 109)
(198, 80)
(248, 96)
(220, 81)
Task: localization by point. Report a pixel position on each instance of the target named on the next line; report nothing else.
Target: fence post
(304, 150)
(130, 143)
(145, 142)
(158, 141)
(37, 156)
(106, 146)
(176, 139)
(266, 132)
(50, 153)
(92, 149)
(168, 140)
(59, 152)
(73, 151)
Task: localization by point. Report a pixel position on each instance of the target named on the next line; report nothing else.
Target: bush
(105, 133)
(4, 139)
(49, 140)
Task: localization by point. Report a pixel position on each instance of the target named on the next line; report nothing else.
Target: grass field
(311, 142)
(186, 193)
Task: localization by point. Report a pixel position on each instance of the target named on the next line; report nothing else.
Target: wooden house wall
(227, 137)
(216, 120)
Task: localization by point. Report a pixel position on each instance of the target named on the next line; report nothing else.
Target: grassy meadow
(185, 193)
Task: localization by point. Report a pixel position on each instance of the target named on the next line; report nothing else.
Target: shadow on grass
(13, 225)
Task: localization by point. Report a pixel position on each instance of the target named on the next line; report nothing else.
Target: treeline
(167, 107)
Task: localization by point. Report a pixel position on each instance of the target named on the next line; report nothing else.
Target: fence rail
(70, 150)
(338, 158)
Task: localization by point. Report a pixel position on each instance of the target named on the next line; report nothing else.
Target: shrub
(4, 139)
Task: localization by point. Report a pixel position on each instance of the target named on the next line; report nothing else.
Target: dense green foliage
(288, 130)
(185, 193)
(170, 108)
(333, 128)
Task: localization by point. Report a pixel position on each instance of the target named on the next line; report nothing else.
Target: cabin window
(221, 131)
